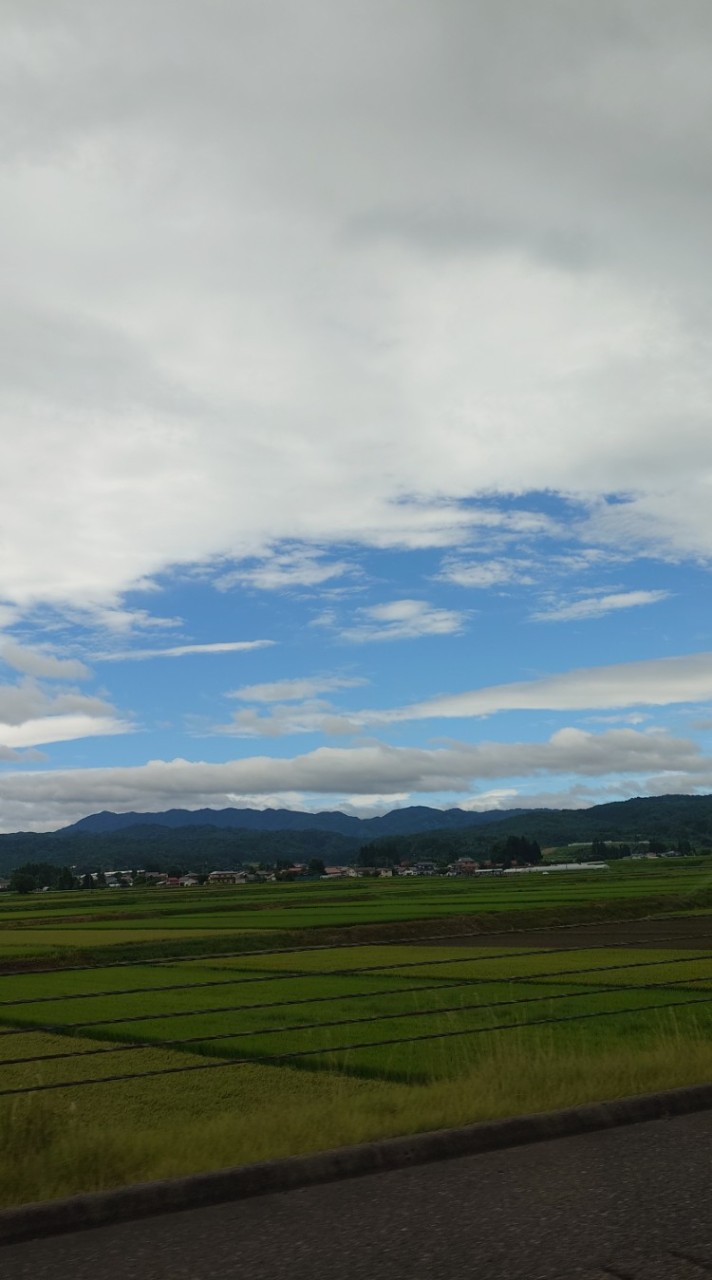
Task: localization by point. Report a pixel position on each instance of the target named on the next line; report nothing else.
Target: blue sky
(356, 406)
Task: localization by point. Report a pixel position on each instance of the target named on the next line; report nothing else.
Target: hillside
(185, 840)
(668, 819)
(644, 817)
(397, 822)
(183, 849)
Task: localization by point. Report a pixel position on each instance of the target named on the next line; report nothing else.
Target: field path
(692, 931)
(631, 1202)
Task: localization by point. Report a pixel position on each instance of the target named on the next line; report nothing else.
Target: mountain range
(215, 839)
(406, 821)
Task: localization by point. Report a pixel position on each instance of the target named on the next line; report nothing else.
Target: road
(635, 1200)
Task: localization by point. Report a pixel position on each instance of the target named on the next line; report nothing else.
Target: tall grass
(66, 1144)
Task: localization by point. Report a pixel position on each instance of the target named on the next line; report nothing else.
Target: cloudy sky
(356, 397)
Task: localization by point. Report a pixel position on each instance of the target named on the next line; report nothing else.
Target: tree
(22, 882)
(316, 867)
(387, 851)
(87, 882)
(517, 849)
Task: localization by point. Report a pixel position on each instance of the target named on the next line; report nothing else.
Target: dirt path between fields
(504, 930)
(693, 932)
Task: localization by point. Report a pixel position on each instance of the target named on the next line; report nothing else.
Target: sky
(356, 404)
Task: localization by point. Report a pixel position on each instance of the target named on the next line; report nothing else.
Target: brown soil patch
(693, 932)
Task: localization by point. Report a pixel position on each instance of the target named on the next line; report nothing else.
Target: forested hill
(218, 839)
(669, 820)
(183, 849)
(645, 818)
(433, 832)
(397, 822)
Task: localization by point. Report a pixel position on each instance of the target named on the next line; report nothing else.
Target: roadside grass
(102, 1136)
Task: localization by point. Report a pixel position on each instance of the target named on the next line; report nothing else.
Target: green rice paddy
(121, 918)
(360, 1040)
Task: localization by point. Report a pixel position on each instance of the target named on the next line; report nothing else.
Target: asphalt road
(634, 1203)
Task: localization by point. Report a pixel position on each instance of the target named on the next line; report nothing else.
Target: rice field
(44, 924)
(275, 1048)
(395, 1004)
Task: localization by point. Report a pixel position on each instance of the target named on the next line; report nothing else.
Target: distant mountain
(212, 838)
(398, 822)
(156, 848)
(670, 819)
(644, 817)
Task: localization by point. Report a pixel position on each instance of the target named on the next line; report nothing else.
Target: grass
(106, 1134)
(54, 1145)
(56, 924)
(315, 1003)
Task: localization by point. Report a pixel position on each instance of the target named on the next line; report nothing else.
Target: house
(227, 877)
(465, 867)
(188, 882)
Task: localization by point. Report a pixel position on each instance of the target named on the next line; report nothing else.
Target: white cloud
(312, 715)
(494, 798)
(294, 707)
(403, 620)
(294, 289)
(327, 619)
(371, 806)
(486, 573)
(583, 559)
(36, 662)
(578, 796)
(28, 700)
(117, 620)
(60, 728)
(656, 682)
(376, 769)
(181, 650)
(630, 717)
(30, 715)
(296, 689)
(22, 756)
(294, 568)
(598, 606)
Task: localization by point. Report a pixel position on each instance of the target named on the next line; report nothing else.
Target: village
(253, 874)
